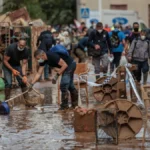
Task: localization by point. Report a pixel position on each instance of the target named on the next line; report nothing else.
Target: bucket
(4, 108)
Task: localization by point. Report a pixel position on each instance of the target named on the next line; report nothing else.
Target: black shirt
(15, 55)
(101, 39)
(54, 58)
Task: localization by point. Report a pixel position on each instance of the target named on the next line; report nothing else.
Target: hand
(15, 72)
(54, 80)
(97, 47)
(129, 58)
(85, 49)
(110, 55)
(24, 79)
(123, 53)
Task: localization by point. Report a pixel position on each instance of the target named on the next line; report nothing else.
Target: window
(119, 7)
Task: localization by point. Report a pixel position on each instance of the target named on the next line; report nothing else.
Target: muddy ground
(33, 129)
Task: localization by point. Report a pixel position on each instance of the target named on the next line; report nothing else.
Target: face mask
(100, 31)
(136, 29)
(143, 37)
(40, 60)
(20, 49)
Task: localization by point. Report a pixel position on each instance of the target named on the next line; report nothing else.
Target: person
(135, 34)
(100, 42)
(15, 53)
(138, 54)
(45, 42)
(66, 67)
(107, 28)
(81, 49)
(119, 47)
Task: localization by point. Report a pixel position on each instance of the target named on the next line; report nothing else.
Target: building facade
(140, 6)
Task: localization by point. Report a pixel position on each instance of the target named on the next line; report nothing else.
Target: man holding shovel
(15, 53)
(66, 67)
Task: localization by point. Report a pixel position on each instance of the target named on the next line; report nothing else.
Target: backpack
(59, 49)
(115, 40)
(135, 47)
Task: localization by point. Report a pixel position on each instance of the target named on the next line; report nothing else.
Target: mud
(32, 129)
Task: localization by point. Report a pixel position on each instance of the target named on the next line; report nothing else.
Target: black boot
(26, 95)
(74, 98)
(64, 99)
(7, 93)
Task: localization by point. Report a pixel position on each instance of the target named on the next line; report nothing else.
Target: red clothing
(107, 29)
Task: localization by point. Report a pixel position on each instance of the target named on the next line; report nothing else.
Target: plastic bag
(123, 61)
(2, 84)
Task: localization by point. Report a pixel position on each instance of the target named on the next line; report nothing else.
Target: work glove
(85, 49)
(24, 79)
(54, 80)
(15, 72)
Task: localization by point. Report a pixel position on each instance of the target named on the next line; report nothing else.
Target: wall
(141, 6)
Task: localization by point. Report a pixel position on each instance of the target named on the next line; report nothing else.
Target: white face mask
(143, 37)
(40, 60)
(100, 31)
(20, 49)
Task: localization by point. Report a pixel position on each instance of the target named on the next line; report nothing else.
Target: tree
(59, 11)
(51, 11)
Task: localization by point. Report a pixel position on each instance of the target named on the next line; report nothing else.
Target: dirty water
(32, 129)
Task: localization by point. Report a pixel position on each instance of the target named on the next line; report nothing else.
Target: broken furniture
(81, 71)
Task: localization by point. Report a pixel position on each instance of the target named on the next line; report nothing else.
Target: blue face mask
(40, 60)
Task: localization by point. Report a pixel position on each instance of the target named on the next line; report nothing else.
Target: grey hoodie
(139, 50)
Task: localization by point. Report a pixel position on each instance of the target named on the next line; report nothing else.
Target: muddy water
(49, 130)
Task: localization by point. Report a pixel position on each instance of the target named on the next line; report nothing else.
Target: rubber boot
(7, 93)
(64, 98)
(145, 76)
(74, 98)
(26, 95)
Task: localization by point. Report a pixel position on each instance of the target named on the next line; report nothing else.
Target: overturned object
(4, 108)
(84, 120)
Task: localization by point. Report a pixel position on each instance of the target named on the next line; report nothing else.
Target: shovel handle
(28, 84)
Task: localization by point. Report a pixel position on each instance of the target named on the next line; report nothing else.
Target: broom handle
(17, 96)
(28, 84)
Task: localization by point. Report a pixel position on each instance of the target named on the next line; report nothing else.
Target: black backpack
(115, 41)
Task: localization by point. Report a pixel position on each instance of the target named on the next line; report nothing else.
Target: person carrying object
(138, 54)
(101, 48)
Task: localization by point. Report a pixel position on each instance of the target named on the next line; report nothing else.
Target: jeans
(142, 67)
(96, 63)
(46, 72)
(116, 61)
(67, 79)
(8, 76)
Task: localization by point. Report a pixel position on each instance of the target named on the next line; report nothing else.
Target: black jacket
(101, 39)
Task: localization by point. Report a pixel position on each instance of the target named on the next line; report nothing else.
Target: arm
(131, 49)
(6, 63)
(63, 65)
(37, 76)
(24, 66)
(91, 38)
(80, 44)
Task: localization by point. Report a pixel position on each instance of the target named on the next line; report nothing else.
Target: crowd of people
(56, 46)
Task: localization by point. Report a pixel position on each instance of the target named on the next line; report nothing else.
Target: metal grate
(107, 128)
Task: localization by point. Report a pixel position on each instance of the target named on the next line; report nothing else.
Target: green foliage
(51, 11)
